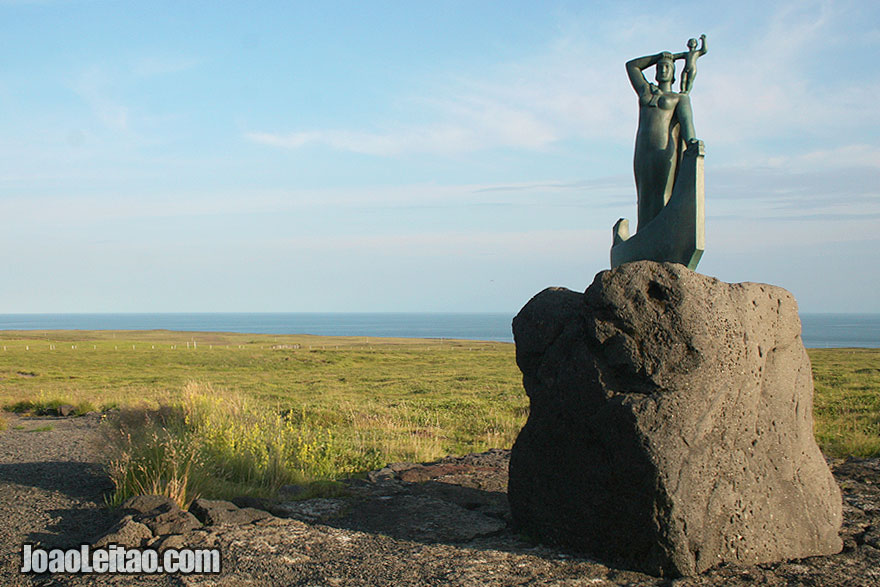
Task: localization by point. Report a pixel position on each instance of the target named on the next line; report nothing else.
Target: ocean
(819, 330)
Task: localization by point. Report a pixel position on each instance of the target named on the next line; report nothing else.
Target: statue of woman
(665, 123)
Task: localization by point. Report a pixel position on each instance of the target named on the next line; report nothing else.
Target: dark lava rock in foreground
(671, 424)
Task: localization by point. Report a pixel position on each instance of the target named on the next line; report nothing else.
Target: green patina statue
(690, 63)
(668, 166)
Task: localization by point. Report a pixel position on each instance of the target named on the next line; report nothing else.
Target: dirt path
(440, 524)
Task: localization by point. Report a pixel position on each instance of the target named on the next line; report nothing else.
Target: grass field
(269, 410)
(846, 402)
(247, 413)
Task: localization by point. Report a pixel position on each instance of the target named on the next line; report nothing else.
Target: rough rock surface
(142, 504)
(160, 514)
(309, 510)
(214, 512)
(126, 533)
(423, 518)
(158, 522)
(671, 424)
(175, 521)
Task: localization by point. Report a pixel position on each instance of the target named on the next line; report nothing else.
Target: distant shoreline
(823, 330)
(62, 335)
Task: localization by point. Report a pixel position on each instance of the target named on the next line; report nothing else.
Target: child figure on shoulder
(690, 63)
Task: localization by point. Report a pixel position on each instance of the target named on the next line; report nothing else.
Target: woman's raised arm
(634, 68)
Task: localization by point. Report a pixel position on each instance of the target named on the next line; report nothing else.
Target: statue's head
(665, 68)
(692, 44)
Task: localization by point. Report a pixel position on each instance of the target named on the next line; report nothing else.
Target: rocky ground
(407, 524)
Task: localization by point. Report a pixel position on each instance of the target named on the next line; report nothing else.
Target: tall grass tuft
(2, 422)
(220, 444)
(152, 452)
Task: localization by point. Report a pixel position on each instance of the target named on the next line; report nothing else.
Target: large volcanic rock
(671, 424)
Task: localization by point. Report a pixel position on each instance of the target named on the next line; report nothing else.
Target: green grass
(258, 411)
(42, 406)
(218, 415)
(222, 445)
(846, 404)
(424, 385)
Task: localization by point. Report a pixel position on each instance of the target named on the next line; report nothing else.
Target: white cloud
(754, 86)
(846, 156)
(558, 94)
(758, 233)
(100, 86)
(94, 86)
(122, 207)
(469, 124)
(774, 86)
(795, 189)
(530, 243)
(429, 139)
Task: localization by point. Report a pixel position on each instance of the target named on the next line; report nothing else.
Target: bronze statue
(690, 63)
(664, 142)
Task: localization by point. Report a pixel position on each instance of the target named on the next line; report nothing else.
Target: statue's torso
(656, 110)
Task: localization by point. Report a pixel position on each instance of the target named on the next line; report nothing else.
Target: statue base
(671, 424)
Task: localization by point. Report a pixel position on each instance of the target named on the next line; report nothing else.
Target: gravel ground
(51, 489)
(408, 524)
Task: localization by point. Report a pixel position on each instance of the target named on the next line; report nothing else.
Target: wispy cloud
(102, 85)
(552, 96)
(512, 241)
(122, 207)
(389, 143)
(761, 234)
(774, 87)
(846, 156)
(575, 89)
(470, 125)
(94, 86)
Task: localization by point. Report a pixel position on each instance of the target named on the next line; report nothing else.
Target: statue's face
(665, 71)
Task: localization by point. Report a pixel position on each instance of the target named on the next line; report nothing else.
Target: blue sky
(416, 156)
